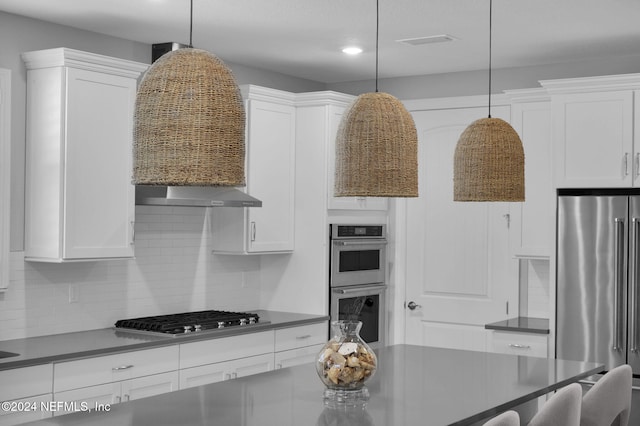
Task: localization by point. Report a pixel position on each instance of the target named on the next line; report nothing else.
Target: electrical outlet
(74, 293)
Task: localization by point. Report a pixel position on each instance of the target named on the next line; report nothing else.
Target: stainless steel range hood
(194, 196)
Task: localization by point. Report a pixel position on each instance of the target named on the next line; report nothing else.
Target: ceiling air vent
(428, 40)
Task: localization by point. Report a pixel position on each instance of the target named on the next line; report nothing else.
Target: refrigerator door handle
(618, 276)
(633, 289)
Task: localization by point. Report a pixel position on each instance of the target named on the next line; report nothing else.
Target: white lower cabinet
(515, 343)
(96, 383)
(101, 397)
(30, 388)
(25, 410)
(215, 360)
(299, 345)
(226, 370)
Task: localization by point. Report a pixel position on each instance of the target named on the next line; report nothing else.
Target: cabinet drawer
(26, 381)
(519, 343)
(301, 336)
(112, 368)
(225, 348)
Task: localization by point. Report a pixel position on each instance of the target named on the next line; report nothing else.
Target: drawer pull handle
(518, 346)
(306, 336)
(122, 367)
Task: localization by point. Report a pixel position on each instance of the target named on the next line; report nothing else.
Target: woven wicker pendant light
(189, 124)
(376, 147)
(488, 162)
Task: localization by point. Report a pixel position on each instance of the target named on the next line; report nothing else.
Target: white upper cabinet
(79, 196)
(533, 221)
(321, 116)
(593, 131)
(5, 160)
(270, 171)
(344, 203)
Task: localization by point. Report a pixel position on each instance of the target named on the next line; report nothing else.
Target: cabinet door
(143, 387)
(251, 365)
(270, 170)
(533, 221)
(593, 139)
(87, 398)
(297, 356)
(26, 410)
(98, 194)
(270, 175)
(457, 254)
(203, 375)
(5, 158)
(345, 203)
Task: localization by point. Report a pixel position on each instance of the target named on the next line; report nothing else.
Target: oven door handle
(358, 289)
(361, 243)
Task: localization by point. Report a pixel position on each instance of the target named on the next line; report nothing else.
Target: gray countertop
(67, 346)
(414, 385)
(521, 325)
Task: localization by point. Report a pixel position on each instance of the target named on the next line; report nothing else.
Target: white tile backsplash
(173, 271)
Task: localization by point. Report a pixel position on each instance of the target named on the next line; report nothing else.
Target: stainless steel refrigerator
(598, 279)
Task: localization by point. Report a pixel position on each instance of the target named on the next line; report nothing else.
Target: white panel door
(457, 253)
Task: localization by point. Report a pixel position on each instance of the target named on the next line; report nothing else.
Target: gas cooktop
(188, 322)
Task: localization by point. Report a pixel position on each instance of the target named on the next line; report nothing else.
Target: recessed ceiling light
(428, 40)
(352, 50)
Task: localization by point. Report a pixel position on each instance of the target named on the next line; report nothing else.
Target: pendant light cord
(490, 31)
(191, 26)
(377, 38)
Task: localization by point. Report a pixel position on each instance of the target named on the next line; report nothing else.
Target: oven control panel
(358, 231)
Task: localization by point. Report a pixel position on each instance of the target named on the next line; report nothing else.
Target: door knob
(412, 305)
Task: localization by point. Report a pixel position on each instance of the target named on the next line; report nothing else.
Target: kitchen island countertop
(414, 385)
(68, 346)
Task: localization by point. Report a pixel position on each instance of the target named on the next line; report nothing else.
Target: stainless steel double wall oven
(357, 279)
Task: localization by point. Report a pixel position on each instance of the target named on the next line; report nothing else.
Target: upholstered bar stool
(608, 402)
(563, 408)
(508, 418)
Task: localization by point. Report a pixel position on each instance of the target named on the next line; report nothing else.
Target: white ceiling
(303, 38)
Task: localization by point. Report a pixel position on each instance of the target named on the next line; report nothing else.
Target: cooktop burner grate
(188, 321)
